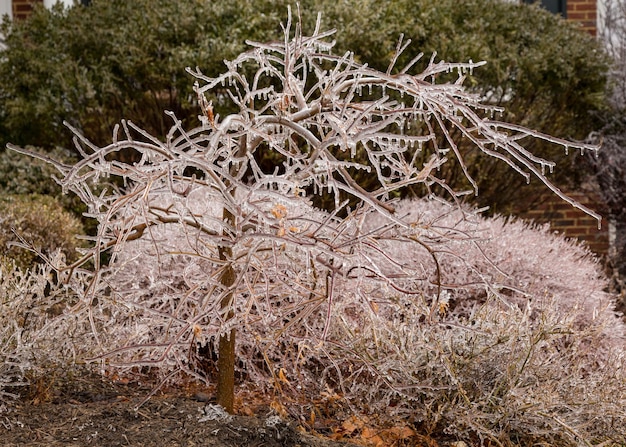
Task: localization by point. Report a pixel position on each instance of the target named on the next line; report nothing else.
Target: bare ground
(97, 412)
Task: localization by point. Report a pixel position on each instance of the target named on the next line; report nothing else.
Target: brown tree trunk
(226, 372)
(226, 348)
(226, 354)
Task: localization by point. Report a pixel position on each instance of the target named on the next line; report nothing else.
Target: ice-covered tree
(206, 245)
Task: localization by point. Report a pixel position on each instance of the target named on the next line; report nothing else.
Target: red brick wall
(23, 8)
(572, 222)
(562, 217)
(584, 12)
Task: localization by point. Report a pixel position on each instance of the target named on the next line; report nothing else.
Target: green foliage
(27, 175)
(20, 175)
(118, 59)
(42, 222)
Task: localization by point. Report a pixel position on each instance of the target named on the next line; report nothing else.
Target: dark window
(554, 6)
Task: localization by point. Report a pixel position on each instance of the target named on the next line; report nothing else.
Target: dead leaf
(371, 437)
(279, 211)
(282, 377)
(278, 408)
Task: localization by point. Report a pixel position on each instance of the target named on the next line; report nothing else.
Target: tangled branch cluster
(410, 308)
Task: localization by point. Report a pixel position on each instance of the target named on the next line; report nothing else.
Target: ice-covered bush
(506, 333)
(40, 332)
(416, 311)
(523, 345)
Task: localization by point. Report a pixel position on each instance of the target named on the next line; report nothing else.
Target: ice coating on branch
(404, 308)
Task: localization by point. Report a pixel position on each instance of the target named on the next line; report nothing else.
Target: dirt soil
(98, 413)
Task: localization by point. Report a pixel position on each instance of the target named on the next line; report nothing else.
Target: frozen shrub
(520, 264)
(417, 310)
(39, 221)
(523, 345)
(506, 334)
(39, 332)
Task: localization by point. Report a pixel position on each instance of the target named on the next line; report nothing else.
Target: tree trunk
(226, 353)
(226, 348)
(226, 372)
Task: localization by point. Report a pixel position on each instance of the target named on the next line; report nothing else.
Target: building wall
(584, 12)
(572, 222)
(561, 216)
(22, 8)
(50, 3)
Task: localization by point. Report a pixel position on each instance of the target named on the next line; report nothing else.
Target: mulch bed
(95, 412)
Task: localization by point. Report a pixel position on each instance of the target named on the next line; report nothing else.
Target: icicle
(352, 147)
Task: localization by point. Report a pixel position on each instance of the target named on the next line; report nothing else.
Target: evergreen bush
(38, 222)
